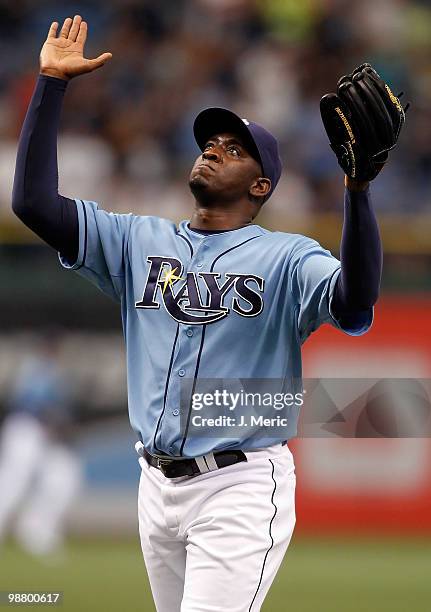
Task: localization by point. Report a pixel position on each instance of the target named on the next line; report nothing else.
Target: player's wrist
(53, 73)
(354, 185)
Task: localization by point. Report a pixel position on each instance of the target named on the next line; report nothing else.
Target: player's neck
(218, 219)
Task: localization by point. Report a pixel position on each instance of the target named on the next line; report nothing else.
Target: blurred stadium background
(363, 538)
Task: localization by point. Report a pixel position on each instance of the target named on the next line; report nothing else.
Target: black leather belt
(173, 468)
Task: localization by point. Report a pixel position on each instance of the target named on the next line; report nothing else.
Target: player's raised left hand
(63, 56)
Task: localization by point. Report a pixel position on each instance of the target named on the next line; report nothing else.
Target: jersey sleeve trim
(355, 324)
(82, 250)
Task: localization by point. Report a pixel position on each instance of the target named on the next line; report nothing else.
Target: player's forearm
(35, 198)
(361, 255)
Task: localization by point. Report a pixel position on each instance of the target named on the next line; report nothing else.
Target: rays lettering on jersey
(186, 304)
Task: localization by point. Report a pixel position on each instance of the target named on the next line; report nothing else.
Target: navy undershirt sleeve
(35, 197)
(358, 284)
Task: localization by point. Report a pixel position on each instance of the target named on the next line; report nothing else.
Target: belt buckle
(162, 464)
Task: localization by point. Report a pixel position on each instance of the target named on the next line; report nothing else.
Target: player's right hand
(63, 56)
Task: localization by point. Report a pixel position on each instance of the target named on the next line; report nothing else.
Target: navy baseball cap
(259, 142)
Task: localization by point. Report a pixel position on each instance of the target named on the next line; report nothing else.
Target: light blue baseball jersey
(232, 305)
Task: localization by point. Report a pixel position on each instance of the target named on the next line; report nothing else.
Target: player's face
(225, 170)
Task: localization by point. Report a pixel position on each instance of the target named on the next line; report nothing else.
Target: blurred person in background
(39, 471)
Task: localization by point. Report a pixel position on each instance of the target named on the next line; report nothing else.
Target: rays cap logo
(260, 143)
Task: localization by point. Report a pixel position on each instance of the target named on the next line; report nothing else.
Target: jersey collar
(230, 236)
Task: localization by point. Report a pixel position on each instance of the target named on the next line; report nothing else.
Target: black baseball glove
(363, 121)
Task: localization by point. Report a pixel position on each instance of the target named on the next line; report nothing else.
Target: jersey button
(181, 372)
(189, 332)
(175, 412)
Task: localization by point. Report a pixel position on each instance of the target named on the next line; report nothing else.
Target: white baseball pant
(214, 542)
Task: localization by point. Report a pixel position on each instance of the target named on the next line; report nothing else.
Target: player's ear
(260, 188)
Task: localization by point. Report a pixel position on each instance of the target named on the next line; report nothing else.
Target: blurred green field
(335, 575)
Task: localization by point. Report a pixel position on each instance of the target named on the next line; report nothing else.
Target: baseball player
(216, 297)
(37, 461)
